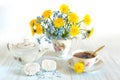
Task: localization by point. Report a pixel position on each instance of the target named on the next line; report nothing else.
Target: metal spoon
(98, 50)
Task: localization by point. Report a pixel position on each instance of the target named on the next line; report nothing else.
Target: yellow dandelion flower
(75, 30)
(46, 14)
(87, 19)
(64, 8)
(32, 30)
(58, 22)
(72, 17)
(39, 29)
(79, 67)
(90, 33)
(32, 24)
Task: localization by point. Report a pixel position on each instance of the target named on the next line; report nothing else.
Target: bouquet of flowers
(61, 24)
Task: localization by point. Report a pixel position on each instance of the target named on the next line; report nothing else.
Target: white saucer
(94, 68)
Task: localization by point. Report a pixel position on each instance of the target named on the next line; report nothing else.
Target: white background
(15, 15)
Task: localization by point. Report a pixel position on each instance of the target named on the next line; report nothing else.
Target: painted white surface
(109, 55)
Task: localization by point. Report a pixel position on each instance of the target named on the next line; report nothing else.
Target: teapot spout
(42, 52)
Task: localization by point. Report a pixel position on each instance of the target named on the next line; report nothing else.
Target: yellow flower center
(64, 8)
(34, 25)
(58, 22)
(39, 29)
(79, 67)
(87, 20)
(72, 18)
(46, 14)
(75, 30)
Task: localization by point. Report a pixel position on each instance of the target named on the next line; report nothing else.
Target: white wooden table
(110, 56)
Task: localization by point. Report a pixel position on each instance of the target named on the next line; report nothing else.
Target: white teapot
(26, 51)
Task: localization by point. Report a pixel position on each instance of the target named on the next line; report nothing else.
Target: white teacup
(80, 56)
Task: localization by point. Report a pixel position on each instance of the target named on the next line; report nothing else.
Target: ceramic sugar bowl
(26, 51)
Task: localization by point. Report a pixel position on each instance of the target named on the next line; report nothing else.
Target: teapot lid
(26, 44)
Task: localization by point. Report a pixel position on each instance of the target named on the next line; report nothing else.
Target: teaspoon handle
(98, 49)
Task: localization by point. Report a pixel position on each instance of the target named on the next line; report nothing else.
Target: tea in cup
(86, 57)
